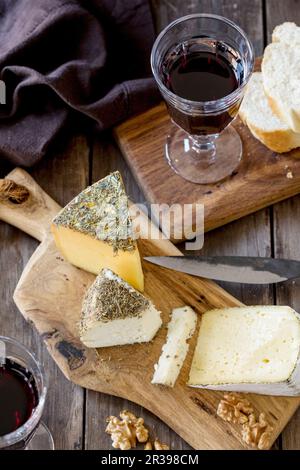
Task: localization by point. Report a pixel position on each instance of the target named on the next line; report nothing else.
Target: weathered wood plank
(286, 215)
(247, 14)
(107, 158)
(279, 11)
(62, 175)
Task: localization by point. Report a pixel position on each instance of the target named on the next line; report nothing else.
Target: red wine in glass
(202, 70)
(202, 64)
(18, 396)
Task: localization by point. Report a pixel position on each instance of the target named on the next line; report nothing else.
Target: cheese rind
(114, 314)
(94, 231)
(248, 349)
(180, 329)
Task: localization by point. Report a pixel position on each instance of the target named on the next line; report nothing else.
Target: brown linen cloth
(59, 58)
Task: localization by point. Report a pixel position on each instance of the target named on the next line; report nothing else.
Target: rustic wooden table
(76, 416)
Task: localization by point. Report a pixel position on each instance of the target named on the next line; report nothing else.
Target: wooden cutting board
(49, 295)
(262, 178)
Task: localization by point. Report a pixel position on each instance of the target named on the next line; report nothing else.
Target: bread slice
(288, 33)
(281, 75)
(257, 114)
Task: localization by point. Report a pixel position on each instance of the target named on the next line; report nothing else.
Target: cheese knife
(241, 269)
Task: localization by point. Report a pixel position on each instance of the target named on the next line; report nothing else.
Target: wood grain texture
(31, 212)
(248, 15)
(286, 215)
(49, 294)
(278, 12)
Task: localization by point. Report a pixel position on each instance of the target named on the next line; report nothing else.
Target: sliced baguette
(257, 114)
(288, 33)
(281, 78)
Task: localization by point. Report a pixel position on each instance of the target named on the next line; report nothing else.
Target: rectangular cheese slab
(248, 349)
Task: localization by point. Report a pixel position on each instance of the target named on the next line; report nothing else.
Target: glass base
(41, 440)
(203, 160)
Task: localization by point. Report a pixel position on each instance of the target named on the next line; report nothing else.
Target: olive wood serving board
(262, 178)
(49, 295)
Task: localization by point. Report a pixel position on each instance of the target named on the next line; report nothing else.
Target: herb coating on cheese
(101, 211)
(110, 298)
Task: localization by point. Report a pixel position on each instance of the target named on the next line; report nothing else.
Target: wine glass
(33, 434)
(200, 146)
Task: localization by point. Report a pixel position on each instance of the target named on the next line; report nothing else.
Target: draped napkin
(61, 60)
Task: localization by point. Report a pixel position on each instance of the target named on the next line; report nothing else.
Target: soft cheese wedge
(248, 349)
(114, 313)
(180, 329)
(95, 231)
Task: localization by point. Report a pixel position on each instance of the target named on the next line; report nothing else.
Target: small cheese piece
(174, 351)
(94, 231)
(114, 313)
(248, 349)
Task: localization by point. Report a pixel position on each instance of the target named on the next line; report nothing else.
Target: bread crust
(284, 136)
(280, 141)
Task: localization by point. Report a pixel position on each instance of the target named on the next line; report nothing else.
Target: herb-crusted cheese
(180, 329)
(248, 349)
(95, 231)
(114, 313)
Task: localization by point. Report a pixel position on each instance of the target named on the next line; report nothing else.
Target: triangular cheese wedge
(94, 231)
(114, 313)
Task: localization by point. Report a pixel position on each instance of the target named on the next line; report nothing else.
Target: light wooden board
(49, 295)
(259, 181)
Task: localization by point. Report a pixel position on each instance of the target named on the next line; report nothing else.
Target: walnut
(257, 433)
(128, 416)
(125, 432)
(142, 433)
(160, 446)
(122, 434)
(238, 410)
(148, 446)
(234, 408)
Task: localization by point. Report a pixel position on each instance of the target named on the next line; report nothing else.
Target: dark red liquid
(18, 396)
(202, 70)
(202, 76)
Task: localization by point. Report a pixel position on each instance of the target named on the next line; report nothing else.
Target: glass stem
(204, 146)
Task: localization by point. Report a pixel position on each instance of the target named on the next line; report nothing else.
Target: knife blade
(240, 269)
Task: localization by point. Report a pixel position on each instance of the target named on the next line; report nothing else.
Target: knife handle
(34, 213)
